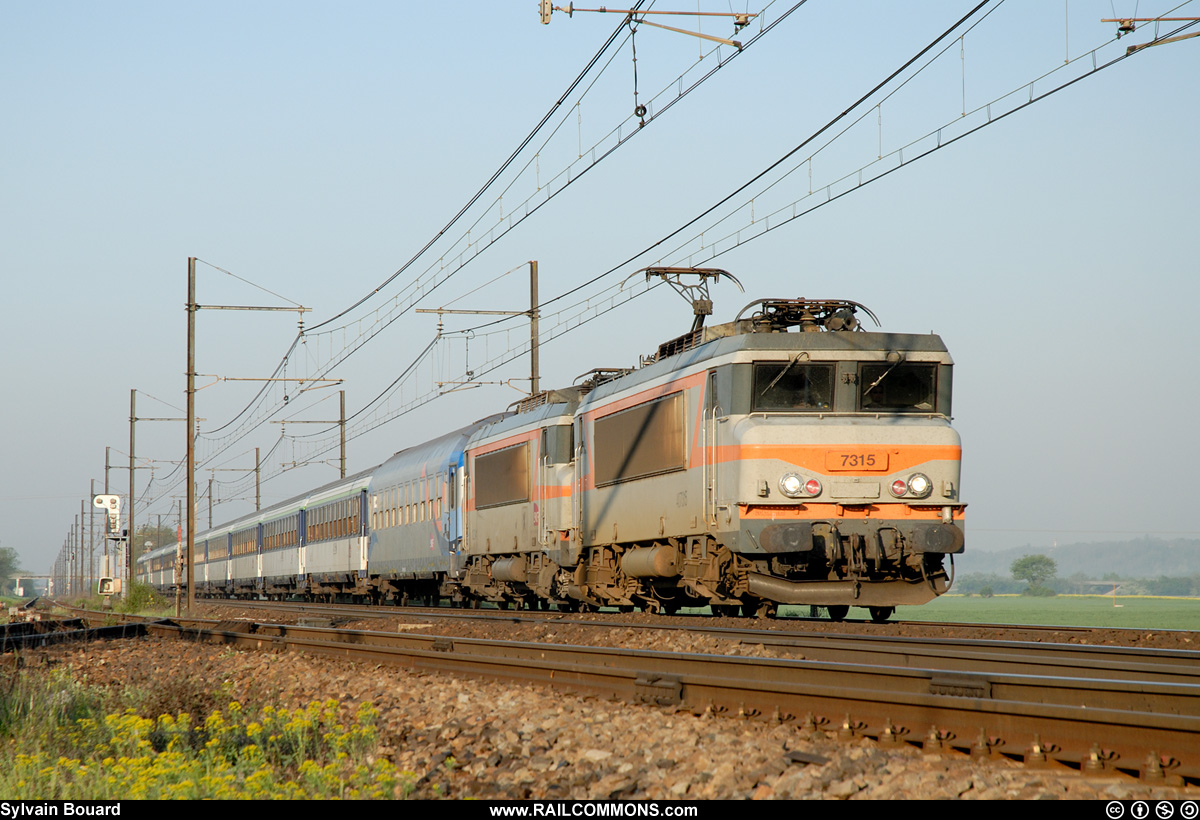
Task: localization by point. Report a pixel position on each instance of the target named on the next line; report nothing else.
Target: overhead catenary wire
(561, 296)
(320, 447)
(768, 227)
(712, 245)
(891, 77)
(419, 290)
(741, 188)
(529, 137)
(711, 249)
(621, 140)
(496, 175)
(303, 338)
(248, 282)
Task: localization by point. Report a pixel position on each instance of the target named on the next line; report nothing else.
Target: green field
(1063, 610)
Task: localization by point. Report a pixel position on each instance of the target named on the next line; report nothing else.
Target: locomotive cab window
(789, 386)
(897, 388)
(558, 444)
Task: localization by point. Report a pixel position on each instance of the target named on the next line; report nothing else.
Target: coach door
(362, 531)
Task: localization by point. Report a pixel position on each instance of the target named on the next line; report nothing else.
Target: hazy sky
(314, 148)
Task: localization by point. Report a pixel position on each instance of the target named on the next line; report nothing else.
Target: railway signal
(111, 504)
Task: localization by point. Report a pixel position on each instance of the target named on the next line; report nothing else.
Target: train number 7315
(856, 460)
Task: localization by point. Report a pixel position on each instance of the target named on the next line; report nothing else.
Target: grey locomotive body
(785, 458)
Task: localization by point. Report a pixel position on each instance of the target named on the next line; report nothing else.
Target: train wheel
(839, 612)
(880, 614)
(725, 611)
(766, 609)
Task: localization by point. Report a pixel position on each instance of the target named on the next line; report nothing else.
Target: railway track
(785, 622)
(969, 655)
(1094, 709)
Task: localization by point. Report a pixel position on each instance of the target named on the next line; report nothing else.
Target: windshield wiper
(788, 367)
(875, 383)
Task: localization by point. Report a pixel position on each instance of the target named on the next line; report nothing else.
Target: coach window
(897, 388)
(792, 387)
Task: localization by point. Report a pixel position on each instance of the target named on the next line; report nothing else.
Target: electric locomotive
(786, 457)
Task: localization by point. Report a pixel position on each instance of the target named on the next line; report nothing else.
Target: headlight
(899, 487)
(919, 485)
(791, 485)
(796, 486)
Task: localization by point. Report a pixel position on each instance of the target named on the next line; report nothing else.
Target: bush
(1040, 592)
(141, 597)
(57, 741)
(986, 592)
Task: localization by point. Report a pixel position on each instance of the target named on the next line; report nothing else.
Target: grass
(61, 739)
(181, 736)
(1140, 612)
(141, 600)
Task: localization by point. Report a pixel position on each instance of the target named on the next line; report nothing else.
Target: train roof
(536, 410)
(407, 463)
(828, 328)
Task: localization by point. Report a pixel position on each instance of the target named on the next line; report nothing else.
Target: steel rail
(1149, 730)
(947, 654)
(83, 634)
(534, 614)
